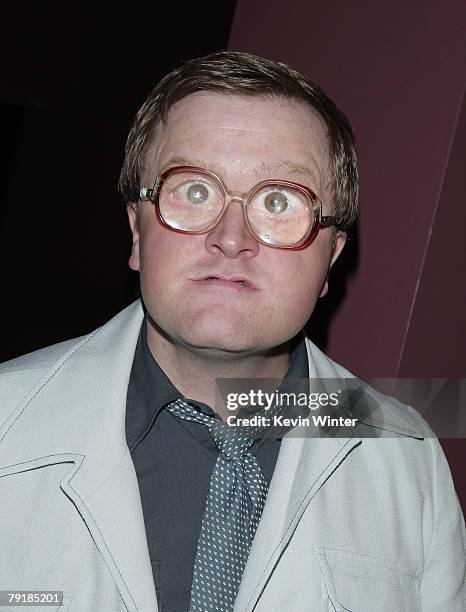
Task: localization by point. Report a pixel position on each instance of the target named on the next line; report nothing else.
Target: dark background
(71, 85)
(72, 80)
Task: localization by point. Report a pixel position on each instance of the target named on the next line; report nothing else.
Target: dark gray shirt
(174, 460)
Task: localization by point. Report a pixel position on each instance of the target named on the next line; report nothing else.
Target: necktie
(234, 506)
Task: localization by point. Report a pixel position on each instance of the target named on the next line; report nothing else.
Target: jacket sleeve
(443, 584)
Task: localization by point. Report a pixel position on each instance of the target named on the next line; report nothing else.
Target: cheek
(299, 278)
(159, 256)
(159, 248)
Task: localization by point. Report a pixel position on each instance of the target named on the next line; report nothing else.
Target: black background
(73, 77)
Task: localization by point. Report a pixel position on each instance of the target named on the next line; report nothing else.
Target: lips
(236, 280)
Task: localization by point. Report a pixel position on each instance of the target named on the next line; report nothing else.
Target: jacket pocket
(361, 583)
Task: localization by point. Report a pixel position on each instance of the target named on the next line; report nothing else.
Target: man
(121, 483)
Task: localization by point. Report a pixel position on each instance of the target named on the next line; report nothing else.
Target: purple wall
(398, 70)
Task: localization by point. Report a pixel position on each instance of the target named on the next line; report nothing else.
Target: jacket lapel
(301, 470)
(303, 466)
(88, 385)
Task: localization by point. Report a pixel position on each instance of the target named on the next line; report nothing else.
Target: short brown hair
(236, 73)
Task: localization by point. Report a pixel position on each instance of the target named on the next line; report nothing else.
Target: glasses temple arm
(328, 221)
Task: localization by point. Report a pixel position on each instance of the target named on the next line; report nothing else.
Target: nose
(231, 235)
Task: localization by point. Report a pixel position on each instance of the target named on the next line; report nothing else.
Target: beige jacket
(366, 525)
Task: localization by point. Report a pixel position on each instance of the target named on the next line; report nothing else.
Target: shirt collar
(150, 389)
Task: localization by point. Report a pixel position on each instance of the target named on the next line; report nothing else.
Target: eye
(197, 193)
(279, 203)
(194, 193)
(276, 202)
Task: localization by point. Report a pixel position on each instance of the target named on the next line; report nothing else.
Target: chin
(218, 340)
(226, 340)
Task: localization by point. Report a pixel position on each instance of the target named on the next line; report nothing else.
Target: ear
(339, 242)
(133, 217)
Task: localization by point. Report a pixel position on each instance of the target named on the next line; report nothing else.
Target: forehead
(239, 136)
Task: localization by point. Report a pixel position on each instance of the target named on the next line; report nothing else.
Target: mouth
(234, 282)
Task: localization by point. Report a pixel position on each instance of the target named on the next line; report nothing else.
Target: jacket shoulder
(374, 409)
(25, 376)
(19, 375)
(41, 359)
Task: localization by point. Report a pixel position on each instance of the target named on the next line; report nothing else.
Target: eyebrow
(265, 169)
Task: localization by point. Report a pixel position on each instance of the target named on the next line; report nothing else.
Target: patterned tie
(234, 506)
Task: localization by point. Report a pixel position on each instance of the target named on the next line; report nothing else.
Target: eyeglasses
(278, 214)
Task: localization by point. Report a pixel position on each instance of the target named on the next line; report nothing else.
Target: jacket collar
(87, 385)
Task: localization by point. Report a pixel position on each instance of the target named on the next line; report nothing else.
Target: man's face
(244, 140)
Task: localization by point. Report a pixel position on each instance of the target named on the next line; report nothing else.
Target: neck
(194, 372)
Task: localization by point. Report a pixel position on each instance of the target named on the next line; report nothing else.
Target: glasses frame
(320, 221)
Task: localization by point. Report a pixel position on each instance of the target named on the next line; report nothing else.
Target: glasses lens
(281, 215)
(190, 201)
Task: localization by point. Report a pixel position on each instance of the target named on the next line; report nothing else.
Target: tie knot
(229, 440)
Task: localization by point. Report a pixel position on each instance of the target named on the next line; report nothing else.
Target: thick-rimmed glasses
(279, 214)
